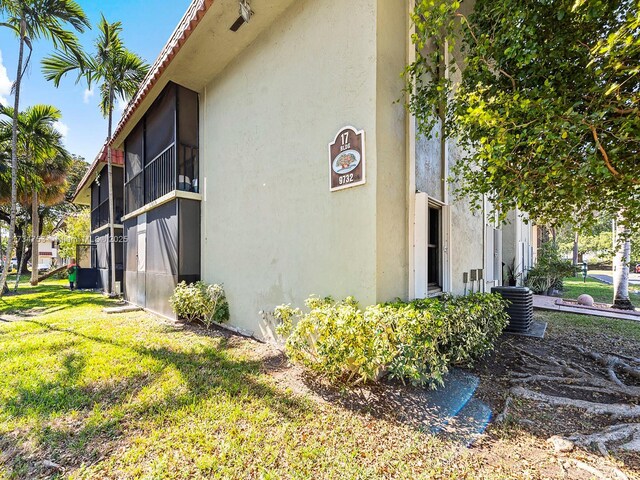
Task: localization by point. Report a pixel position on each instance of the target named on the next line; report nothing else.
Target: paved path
(542, 302)
(606, 277)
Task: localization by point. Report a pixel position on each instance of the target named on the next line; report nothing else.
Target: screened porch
(161, 153)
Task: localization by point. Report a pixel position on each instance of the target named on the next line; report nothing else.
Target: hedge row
(416, 342)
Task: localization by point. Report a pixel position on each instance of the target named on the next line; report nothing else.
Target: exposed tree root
(597, 473)
(595, 383)
(617, 410)
(624, 432)
(505, 411)
(612, 375)
(612, 362)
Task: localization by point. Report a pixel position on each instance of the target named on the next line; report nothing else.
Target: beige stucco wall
(515, 232)
(466, 227)
(391, 142)
(271, 229)
(467, 238)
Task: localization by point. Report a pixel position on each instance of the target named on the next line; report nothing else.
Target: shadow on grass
(47, 299)
(205, 374)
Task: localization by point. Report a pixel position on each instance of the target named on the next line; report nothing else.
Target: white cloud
(5, 83)
(61, 127)
(88, 94)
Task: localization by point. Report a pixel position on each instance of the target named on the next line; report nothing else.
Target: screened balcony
(161, 153)
(100, 198)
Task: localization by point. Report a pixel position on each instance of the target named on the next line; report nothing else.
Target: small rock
(52, 465)
(561, 445)
(585, 299)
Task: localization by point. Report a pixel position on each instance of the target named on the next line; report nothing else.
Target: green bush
(549, 270)
(415, 342)
(200, 301)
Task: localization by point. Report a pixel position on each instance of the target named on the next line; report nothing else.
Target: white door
(420, 245)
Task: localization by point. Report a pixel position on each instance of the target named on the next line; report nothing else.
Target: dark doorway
(434, 251)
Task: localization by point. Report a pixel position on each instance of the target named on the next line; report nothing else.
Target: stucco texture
(272, 231)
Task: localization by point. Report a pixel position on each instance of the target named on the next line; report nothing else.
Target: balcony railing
(160, 175)
(188, 168)
(100, 215)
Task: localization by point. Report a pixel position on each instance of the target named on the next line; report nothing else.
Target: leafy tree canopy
(75, 231)
(44, 161)
(542, 95)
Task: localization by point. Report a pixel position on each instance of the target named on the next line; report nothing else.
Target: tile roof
(117, 158)
(183, 31)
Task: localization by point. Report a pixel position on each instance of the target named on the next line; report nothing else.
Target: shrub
(549, 270)
(414, 342)
(200, 301)
(336, 339)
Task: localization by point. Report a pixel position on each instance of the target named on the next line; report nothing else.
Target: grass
(575, 286)
(130, 396)
(590, 325)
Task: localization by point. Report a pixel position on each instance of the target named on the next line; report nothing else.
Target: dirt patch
(517, 447)
(606, 307)
(530, 423)
(519, 444)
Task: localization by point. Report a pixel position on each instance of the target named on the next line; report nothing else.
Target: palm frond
(57, 65)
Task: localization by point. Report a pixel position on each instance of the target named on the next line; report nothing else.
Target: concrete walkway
(607, 277)
(542, 302)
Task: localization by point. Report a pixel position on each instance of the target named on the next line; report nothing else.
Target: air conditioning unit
(519, 309)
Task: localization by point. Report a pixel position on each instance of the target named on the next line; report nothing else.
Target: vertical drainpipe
(411, 164)
(447, 261)
(202, 180)
(484, 243)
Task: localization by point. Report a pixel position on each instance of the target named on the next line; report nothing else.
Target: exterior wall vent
(520, 308)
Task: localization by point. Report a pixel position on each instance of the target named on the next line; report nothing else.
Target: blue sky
(147, 25)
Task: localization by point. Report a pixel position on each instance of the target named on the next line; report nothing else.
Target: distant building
(48, 253)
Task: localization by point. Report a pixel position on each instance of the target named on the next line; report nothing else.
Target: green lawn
(131, 396)
(575, 286)
(590, 326)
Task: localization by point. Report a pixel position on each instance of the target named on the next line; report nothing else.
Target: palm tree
(44, 163)
(32, 20)
(119, 73)
(621, 236)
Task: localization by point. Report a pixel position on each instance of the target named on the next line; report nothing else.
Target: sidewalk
(542, 302)
(607, 277)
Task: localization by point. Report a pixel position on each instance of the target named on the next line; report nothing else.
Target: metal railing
(100, 214)
(188, 168)
(160, 175)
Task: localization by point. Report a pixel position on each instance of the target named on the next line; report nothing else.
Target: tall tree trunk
(14, 160)
(35, 237)
(575, 249)
(21, 264)
(621, 268)
(112, 249)
(23, 252)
